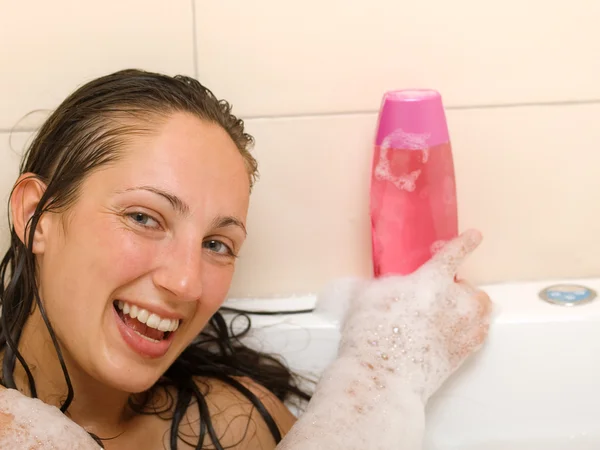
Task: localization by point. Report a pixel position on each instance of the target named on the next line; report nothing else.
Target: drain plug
(567, 294)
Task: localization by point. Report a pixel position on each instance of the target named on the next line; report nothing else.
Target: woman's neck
(97, 408)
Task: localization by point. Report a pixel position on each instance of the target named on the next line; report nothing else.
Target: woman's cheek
(129, 255)
(216, 284)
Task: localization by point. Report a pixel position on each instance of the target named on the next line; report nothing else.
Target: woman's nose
(181, 273)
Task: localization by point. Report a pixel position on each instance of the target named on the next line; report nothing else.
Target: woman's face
(144, 257)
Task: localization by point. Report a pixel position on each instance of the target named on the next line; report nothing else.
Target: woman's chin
(134, 383)
(129, 376)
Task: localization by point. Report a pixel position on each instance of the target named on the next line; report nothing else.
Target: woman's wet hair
(88, 131)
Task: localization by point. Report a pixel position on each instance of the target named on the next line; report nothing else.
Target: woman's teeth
(151, 320)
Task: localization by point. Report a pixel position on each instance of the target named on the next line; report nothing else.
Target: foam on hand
(408, 330)
(27, 423)
(402, 337)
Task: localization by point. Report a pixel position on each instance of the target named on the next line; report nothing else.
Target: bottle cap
(412, 119)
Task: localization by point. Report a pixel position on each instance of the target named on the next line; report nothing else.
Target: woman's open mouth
(146, 333)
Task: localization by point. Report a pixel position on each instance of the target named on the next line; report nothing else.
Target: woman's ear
(26, 195)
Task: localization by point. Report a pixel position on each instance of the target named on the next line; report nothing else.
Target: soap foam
(409, 141)
(31, 424)
(401, 338)
(399, 139)
(419, 327)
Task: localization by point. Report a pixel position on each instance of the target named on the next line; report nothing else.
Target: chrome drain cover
(568, 294)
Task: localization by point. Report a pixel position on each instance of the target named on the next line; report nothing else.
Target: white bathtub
(535, 385)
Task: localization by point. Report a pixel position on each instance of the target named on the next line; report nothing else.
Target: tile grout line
(448, 108)
(359, 113)
(195, 40)
(592, 101)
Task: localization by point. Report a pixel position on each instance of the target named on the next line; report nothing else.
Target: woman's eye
(218, 247)
(144, 220)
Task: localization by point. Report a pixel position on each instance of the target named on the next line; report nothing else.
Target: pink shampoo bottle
(413, 193)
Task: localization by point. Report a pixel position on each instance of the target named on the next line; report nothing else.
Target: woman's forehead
(194, 161)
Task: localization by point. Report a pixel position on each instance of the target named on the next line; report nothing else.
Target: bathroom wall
(520, 80)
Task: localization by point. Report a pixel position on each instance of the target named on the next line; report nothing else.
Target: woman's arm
(351, 410)
(401, 338)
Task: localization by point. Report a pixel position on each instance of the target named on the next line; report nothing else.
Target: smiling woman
(127, 219)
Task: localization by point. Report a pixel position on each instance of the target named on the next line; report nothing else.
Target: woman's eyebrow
(227, 221)
(177, 203)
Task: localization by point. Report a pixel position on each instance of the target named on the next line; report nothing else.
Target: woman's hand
(402, 336)
(30, 424)
(420, 327)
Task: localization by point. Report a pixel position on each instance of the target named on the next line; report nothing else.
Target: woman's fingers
(451, 256)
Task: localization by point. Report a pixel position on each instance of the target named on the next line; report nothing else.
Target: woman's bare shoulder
(236, 420)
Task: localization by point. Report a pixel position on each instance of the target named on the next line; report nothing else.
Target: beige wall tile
(527, 177)
(49, 48)
(271, 57)
(307, 222)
